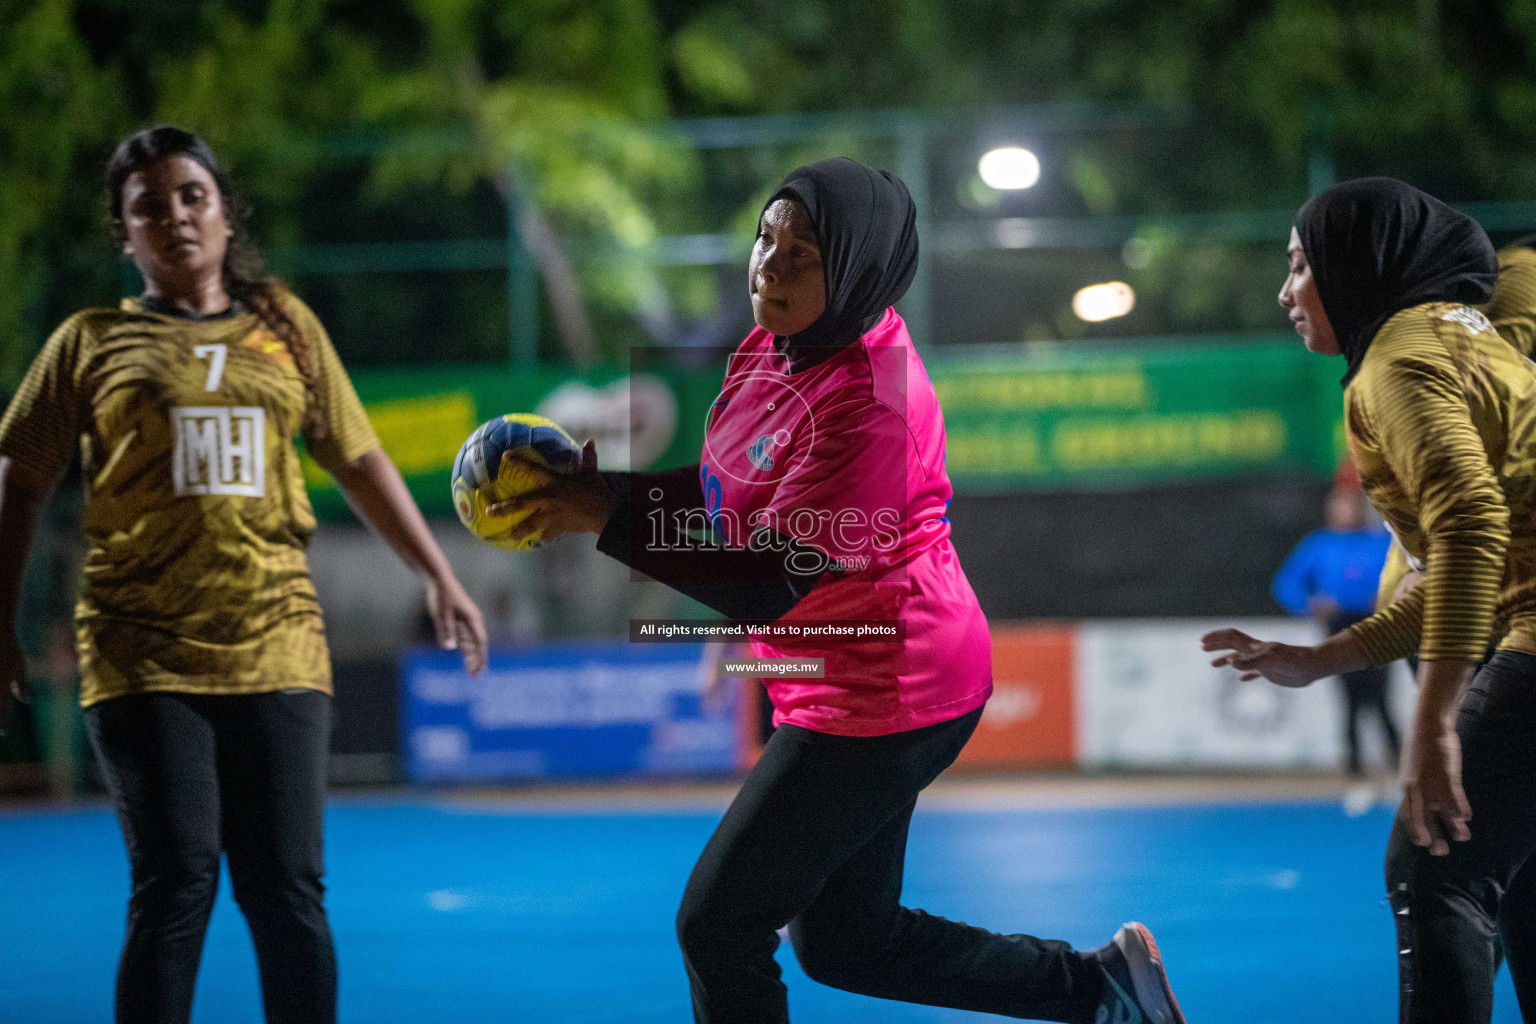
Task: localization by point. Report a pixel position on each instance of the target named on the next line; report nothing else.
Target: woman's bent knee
(828, 957)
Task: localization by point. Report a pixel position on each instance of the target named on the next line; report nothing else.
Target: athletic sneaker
(1136, 989)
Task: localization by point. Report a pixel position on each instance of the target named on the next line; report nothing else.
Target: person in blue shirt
(1332, 576)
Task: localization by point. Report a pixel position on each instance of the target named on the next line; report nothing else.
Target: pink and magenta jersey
(847, 457)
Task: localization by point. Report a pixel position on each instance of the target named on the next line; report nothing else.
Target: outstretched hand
(1282, 664)
(576, 502)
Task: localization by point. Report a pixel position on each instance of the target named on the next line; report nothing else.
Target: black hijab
(866, 227)
(1377, 246)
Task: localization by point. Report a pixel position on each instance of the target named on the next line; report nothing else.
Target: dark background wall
(1189, 550)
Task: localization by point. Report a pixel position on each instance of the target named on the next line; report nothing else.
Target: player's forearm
(672, 492)
(376, 491)
(1440, 686)
(1338, 654)
(725, 580)
(19, 502)
(741, 584)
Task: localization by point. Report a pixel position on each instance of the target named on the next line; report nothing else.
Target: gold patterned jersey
(195, 516)
(1392, 572)
(1512, 310)
(1512, 307)
(1441, 422)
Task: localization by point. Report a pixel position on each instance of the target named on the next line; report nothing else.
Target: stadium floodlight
(1009, 168)
(1103, 301)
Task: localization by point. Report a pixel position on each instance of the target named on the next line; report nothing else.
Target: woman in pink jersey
(822, 483)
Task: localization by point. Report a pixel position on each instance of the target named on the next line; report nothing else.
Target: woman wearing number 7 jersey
(823, 475)
(205, 675)
(1440, 413)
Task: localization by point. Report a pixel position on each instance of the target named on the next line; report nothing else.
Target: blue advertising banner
(595, 709)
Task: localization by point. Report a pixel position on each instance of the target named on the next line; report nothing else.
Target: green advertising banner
(1024, 419)
(1145, 414)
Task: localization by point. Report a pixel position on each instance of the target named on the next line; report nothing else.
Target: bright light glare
(1009, 168)
(1103, 301)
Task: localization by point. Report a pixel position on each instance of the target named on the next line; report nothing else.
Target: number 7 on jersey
(216, 354)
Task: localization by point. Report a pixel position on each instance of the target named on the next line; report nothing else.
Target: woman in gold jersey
(1513, 305)
(1512, 311)
(205, 675)
(1440, 413)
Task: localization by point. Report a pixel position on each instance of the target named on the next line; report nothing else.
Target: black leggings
(1366, 690)
(191, 775)
(816, 839)
(1453, 912)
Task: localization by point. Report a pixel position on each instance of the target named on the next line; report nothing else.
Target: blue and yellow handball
(480, 479)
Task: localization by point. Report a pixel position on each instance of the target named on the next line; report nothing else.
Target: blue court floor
(460, 912)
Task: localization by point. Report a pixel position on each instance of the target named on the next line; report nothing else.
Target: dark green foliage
(560, 100)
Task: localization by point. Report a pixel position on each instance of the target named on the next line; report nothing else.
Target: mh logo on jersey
(760, 452)
(219, 450)
(1470, 318)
